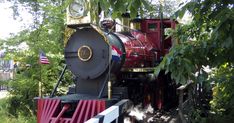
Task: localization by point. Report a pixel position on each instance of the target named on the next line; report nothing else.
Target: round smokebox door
(87, 54)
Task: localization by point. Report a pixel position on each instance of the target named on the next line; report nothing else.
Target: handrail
(58, 82)
(111, 114)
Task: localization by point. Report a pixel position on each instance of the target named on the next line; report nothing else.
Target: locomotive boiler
(109, 66)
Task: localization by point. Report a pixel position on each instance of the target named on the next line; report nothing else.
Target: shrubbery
(6, 117)
(223, 95)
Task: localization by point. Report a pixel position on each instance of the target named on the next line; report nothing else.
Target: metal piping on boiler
(109, 90)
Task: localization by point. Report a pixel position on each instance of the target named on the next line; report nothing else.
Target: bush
(222, 104)
(6, 117)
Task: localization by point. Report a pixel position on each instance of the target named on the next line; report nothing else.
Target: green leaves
(48, 36)
(146, 5)
(177, 64)
(118, 7)
(104, 5)
(207, 41)
(223, 95)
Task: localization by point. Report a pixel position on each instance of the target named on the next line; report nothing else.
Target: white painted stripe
(110, 114)
(114, 52)
(93, 120)
(109, 110)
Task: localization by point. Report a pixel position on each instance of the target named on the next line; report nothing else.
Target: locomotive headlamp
(85, 53)
(77, 8)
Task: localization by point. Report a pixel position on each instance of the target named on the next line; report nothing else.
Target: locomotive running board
(138, 70)
(114, 113)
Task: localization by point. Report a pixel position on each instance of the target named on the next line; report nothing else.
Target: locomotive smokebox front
(88, 54)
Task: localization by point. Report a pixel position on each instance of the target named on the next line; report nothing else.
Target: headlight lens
(77, 8)
(85, 53)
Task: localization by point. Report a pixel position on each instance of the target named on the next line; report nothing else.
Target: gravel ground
(148, 115)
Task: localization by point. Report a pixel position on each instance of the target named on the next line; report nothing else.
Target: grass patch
(5, 117)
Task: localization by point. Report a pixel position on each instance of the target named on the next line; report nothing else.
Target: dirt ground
(148, 115)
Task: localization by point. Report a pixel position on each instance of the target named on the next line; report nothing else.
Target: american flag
(43, 59)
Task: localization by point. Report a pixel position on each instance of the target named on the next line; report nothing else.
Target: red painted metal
(143, 47)
(159, 92)
(65, 108)
(49, 111)
(39, 109)
(154, 95)
(87, 109)
(46, 109)
(138, 50)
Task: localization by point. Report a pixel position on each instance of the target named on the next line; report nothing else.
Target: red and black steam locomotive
(110, 66)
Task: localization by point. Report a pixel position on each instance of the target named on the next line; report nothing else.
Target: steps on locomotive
(79, 107)
(64, 109)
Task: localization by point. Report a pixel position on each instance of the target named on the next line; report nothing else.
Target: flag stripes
(43, 59)
(116, 53)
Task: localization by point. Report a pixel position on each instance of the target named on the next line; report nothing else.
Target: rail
(114, 113)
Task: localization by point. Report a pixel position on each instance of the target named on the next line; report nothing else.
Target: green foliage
(47, 34)
(206, 41)
(195, 115)
(223, 95)
(141, 8)
(8, 118)
(119, 7)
